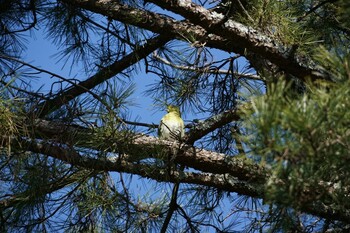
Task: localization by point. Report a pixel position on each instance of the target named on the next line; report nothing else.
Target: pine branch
(245, 37)
(222, 181)
(207, 69)
(157, 23)
(148, 147)
(172, 207)
(104, 74)
(71, 156)
(227, 35)
(51, 187)
(214, 169)
(314, 8)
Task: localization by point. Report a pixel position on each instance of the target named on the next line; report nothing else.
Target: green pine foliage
(11, 121)
(297, 139)
(305, 140)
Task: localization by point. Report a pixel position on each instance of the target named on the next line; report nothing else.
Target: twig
(206, 69)
(172, 207)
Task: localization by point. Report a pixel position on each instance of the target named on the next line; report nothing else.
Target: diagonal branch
(210, 124)
(104, 74)
(244, 37)
(157, 23)
(151, 21)
(210, 27)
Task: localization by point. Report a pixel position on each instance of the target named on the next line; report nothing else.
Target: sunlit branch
(141, 18)
(214, 169)
(157, 23)
(212, 30)
(244, 37)
(220, 180)
(148, 147)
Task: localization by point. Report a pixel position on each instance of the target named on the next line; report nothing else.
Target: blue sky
(42, 53)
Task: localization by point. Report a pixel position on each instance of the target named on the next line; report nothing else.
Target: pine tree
(270, 81)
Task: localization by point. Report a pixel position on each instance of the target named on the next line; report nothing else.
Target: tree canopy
(268, 152)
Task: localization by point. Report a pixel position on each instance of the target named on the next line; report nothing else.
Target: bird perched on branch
(171, 126)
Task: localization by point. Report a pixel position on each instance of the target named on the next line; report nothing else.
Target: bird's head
(173, 109)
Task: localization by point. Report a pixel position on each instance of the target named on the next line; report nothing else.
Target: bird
(171, 127)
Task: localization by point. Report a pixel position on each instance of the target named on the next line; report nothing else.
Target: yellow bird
(171, 126)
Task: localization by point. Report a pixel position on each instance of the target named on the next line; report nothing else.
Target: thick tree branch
(146, 146)
(214, 169)
(227, 35)
(151, 21)
(157, 23)
(245, 37)
(73, 157)
(224, 181)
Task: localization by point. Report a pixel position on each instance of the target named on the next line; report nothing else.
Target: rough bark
(213, 169)
(208, 27)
